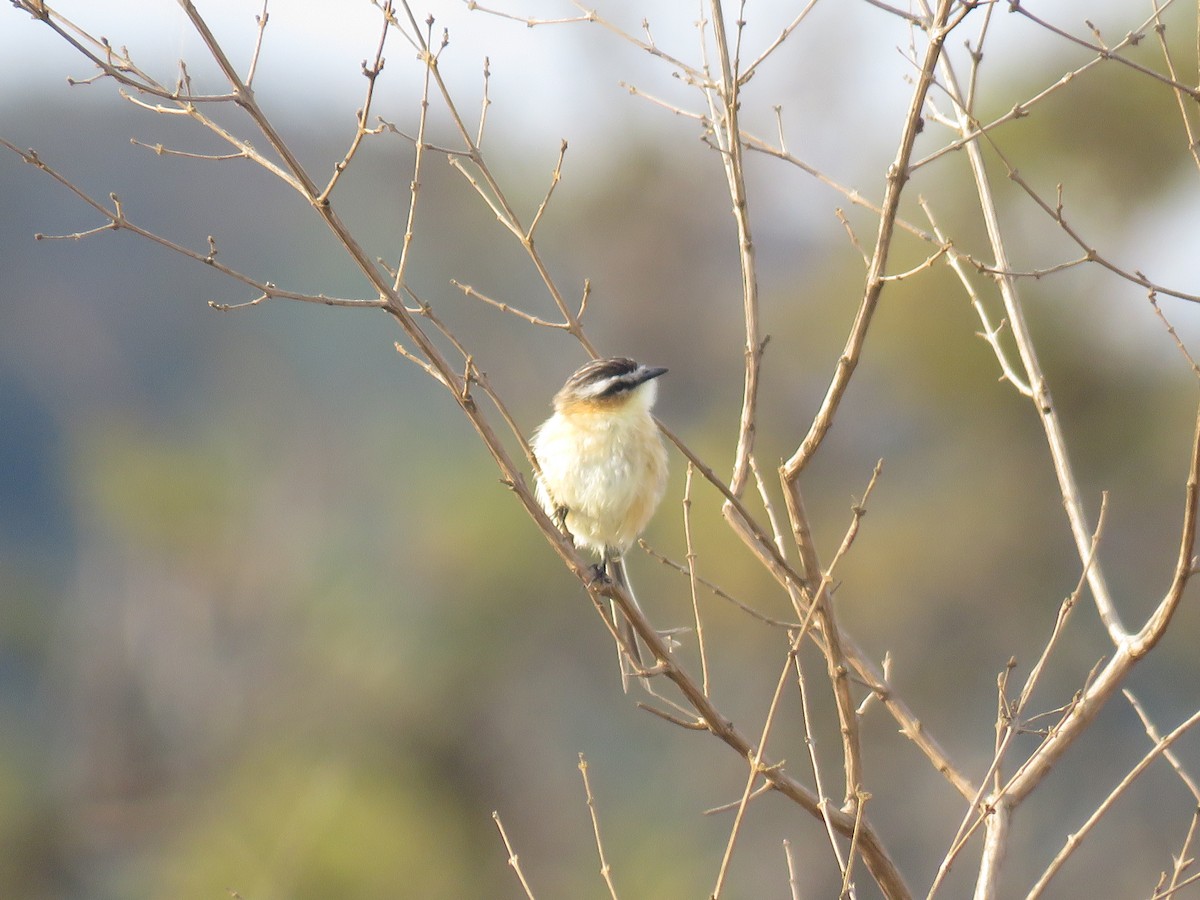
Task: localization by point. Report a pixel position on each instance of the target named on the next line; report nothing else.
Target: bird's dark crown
(608, 378)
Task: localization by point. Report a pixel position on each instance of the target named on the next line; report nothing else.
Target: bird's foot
(599, 574)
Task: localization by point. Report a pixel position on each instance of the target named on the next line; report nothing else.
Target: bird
(602, 469)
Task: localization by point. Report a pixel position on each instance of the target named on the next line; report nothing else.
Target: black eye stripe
(618, 386)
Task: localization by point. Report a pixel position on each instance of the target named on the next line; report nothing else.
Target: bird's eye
(613, 388)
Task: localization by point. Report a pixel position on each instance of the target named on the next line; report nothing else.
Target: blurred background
(268, 621)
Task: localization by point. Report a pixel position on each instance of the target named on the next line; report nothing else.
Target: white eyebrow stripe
(596, 388)
(626, 380)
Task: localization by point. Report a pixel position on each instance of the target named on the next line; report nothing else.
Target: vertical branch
(605, 868)
(811, 746)
(793, 881)
(414, 186)
(1183, 101)
(1185, 563)
(261, 19)
(691, 569)
(817, 586)
(816, 582)
(729, 143)
(1081, 530)
(995, 845)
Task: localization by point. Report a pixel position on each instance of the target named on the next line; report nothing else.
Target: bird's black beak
(648, 373)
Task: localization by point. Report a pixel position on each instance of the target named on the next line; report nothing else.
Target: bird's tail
(629, 653)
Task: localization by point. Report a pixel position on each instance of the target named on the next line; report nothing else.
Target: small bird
(604, 467)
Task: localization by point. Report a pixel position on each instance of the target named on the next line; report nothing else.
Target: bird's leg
(600, 573)
(560, 517)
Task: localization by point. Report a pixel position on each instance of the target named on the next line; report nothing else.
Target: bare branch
(555, 176)
(118, 220)
(990, 333)
(513, 860)
(504, 307)
(486, 102)
(261, 19)
(1068, 486)
(1020, 110)
(1174, 334)
(755, 765)
(605, 868)
(1111, 53)
(717, 591)
(748, 72)
(160, 150)
(692, 578)
(793, 881)
(1168, 755)
(371, 73)
(814, 762)
(1074, 840)
(920, 267)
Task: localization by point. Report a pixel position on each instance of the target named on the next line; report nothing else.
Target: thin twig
(1042, 399)
(555, 177)
(691, 568)
(1092, 255)
(768, 505)
(748, 72)
(920, 267)
(371, 73)
(716, 590)
(261, 19)
(1076, 838)
(1168, 755)
(761, 791)
(1021, 110)
(1183, 860)
(118, 220)
(1170, 892)
(1174, 334)
(513, 859)
(605, 868)
(1181, 98)
(857, 511)
(1111, 53)
(724, 104)
(810, 745)
(990, 333)
(160, 150)
(490, 190)
(504, 307)
(793, 879)
(860, 802)
(414, 186)
(1008, 723)
(755, 767)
